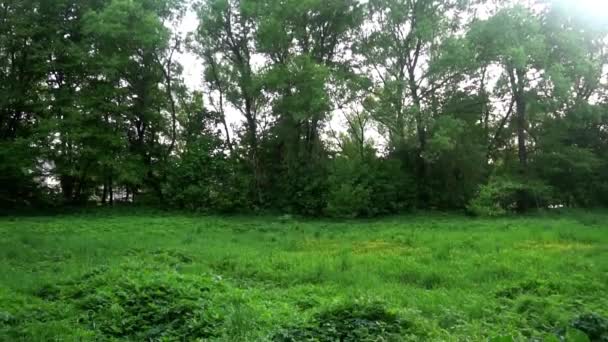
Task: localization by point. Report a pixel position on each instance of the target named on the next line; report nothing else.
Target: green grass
(105, 275)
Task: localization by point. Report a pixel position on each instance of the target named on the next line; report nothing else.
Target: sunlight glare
(596, 9)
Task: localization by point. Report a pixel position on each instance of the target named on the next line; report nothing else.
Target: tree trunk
(520, 102)
(253, 146)
(111, 191)
(422, 169)
(105, 193)
(516, 80)
(67, 186)
(220, 88)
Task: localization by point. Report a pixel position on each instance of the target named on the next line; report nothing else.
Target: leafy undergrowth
(349, 323)
(593, 325)
(147, 306)
(531, 286)
(588, 327)
(170, 277)
(138, 303)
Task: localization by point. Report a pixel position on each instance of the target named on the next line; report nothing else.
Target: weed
(345, 262)
(171, 257)
(6, 318)
(425, 279)
(145, 305)
(593, 325)
(348, 322)
(532, 286)
(307, 303)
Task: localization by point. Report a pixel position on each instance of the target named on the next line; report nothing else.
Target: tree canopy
(346, 108)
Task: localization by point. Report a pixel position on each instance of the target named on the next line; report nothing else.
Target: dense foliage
(145, 305)
(348, 323)
(444, 104)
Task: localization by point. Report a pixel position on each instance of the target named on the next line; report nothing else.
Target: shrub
(204, 179)
(368, 186)
(348, 200)
(502, 195)
(18, 174)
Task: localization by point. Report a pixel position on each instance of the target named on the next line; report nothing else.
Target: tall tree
(513, 39)
(132, 50)
(411, 51)
(307, 56)
(22, 81)
(225, 37)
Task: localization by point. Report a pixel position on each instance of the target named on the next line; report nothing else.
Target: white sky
(193, 68)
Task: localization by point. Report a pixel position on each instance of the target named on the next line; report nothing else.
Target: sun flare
(596, 9)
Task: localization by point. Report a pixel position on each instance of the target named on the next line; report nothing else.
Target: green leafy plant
(502, 195)
(532, 286)
(142, 305)
(592, 324)
(348, 322)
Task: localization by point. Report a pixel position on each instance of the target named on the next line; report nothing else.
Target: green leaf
(551, 338)
(575, 335)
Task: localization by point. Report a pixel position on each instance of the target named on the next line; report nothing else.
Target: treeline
(447, 104)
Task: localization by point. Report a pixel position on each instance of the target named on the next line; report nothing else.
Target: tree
(513, 39)
(570, 142)
(225, 38)
(442, 109)
(132, 54)
(202, 176)
(308, 56)
(22, 76)
(411, 52)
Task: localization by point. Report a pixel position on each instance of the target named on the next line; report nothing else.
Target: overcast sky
(193, 68)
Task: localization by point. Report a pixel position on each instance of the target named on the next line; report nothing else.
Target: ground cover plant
(153, 276)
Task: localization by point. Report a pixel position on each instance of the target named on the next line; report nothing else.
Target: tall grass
(454, 277)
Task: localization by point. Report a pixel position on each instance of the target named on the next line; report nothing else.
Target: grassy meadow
(153, 276)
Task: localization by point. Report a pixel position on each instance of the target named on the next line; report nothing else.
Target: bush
(18, 173)
(348, 322)
(301, 188)
(573, 172)
(502, 195)
(368, 186)
(204, 179)
(348, 200)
